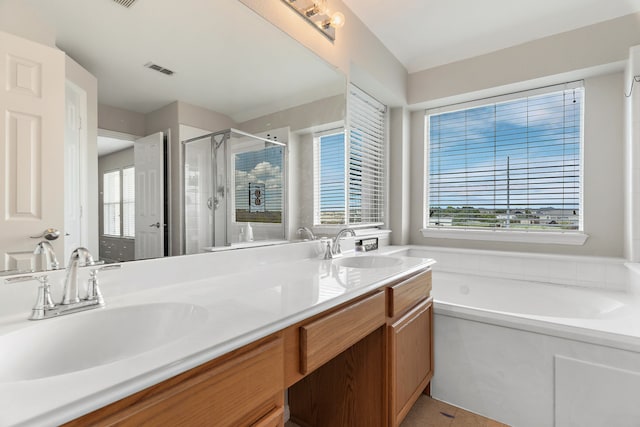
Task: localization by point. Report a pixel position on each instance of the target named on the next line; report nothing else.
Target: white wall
(20, 19)
(584, 52)
(632, 157)
(356, 52)
(399, 177)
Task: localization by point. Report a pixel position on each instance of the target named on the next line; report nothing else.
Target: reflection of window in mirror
(259, 185)
(128, 202)
(111, 203)
(118, 205)
(349, 178)
(329, 179)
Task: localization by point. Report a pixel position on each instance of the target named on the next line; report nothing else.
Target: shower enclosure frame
(215, 145)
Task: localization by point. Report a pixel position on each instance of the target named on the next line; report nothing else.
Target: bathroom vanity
(352, 345)
(364, 362)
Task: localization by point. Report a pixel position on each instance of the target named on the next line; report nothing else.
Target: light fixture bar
(316, 13)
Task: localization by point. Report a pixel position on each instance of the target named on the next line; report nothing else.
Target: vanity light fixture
(317, 13)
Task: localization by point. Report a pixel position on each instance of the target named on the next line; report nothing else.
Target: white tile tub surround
(501, 347)
(585, 271)
(512, 375)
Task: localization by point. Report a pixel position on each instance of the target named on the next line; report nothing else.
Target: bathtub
(530, 353)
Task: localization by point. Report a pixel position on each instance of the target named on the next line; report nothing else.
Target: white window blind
(511, 164)
(366, 122)
(350, 171)
(128, 202)
(111, 203)
(259, 190)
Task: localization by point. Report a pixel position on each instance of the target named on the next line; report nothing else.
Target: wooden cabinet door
(410, 358)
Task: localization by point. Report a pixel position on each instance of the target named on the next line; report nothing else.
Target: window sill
(551, 238)
(361, 230)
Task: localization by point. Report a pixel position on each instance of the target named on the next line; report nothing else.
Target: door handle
(157, 225)
(49, 234)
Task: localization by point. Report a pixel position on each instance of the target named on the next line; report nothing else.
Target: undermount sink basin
(85, 340)
(367, 261)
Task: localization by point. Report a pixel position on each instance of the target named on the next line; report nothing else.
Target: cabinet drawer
(325, 338)
(407, 294)
(242, 391)
(274, 419)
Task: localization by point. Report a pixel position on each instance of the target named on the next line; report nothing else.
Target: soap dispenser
(249, 233)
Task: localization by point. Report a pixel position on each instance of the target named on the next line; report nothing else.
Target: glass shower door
(198, 196)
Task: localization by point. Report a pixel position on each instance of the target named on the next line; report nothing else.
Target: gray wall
(121, 120)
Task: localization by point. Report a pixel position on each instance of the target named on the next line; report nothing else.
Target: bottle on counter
(249, 233)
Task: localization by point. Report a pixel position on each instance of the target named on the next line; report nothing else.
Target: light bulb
(321, 6)
(337, 20)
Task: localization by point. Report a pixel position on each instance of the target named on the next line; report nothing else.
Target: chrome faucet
(71, 302)
(308, 231)
(51, 262)
(71, 293)
(335, 250)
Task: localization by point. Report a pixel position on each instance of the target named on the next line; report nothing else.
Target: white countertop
(247, 295)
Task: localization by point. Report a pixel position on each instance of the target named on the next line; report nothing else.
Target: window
(128, 202)
(350, 166)
(511, 164)
(259, 185)
(111, 203)
(119, 203)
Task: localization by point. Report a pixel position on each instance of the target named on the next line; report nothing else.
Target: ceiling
(427, 33)
(108, 145)
(225, 57)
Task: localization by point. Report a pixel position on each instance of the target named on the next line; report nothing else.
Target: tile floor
(428, 412)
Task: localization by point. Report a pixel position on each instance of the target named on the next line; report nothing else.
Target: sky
(332, 176)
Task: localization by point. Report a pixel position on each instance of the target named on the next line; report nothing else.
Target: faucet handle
(93, 290)
(328, 253)
(43, 301)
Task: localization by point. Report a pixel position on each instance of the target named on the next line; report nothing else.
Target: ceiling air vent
(125, 3)
(158, 68)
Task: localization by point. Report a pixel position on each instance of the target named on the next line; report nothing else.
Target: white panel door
(74, 141)
(32, 78)
(150, 225)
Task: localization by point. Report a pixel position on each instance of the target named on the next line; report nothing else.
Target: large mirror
(169, 72)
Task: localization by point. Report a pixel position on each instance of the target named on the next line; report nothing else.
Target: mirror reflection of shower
(247, 205)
